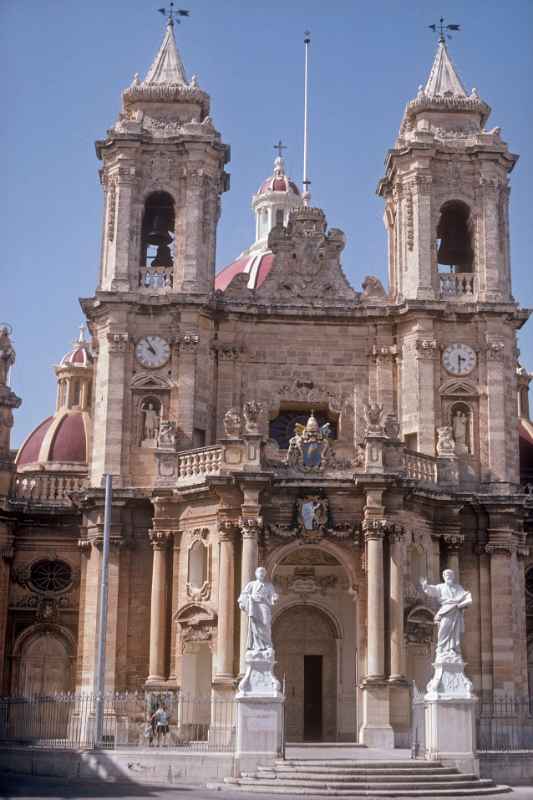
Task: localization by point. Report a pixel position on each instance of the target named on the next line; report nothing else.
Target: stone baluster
(158, 608)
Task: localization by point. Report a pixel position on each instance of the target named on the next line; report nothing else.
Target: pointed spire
(167, 67)
(443, 79)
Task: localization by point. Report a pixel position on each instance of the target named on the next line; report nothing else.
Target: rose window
(50, 576)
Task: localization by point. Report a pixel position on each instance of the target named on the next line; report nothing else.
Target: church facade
(351, 441)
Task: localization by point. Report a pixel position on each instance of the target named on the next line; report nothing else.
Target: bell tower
(162, 175)
(446, 196)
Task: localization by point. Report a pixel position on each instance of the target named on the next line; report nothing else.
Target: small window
(411, 441)
(198, 437)
(279, 216)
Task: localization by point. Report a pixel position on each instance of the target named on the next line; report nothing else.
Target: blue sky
(67, 63)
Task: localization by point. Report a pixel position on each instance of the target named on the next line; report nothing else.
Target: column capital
(226, 530)
(453, 541)
(160, 539)
(375, 529)
(250, 527)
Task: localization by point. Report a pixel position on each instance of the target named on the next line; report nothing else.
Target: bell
(159, 235)
(454, 248)
(163, 257)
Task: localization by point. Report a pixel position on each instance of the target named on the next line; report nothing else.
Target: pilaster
(188, 347)
(6, 557)
(159, 611)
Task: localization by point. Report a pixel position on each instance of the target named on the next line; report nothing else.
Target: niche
(454, 245)
(157, 236)
(150, 418)
(461, 423)
(198, 583)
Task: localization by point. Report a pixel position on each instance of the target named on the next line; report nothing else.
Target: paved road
(28, 788)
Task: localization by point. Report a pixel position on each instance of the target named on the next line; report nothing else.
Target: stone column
(426, 353)
(249, 530)
(453, 541)
(376, 730)
(376, 606)
(419, 235)
(6, 556)
(159, 608)
(496, 431)
(174, 602)
(226, 603)
(397, 654)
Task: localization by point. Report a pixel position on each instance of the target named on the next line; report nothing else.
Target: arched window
(76, 392)
(157, 237)
(279, 216)
(454, 245)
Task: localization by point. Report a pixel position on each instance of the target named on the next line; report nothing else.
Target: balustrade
(195, 464)
(459, 285)
(47, 487)
(156, 278)
(420, 467)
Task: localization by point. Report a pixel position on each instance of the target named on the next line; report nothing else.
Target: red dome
(278, 184)
(62, 438)
(80, 356)
(256, 266)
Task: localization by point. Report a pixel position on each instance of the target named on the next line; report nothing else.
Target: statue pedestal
(450, 717)
(259, 713)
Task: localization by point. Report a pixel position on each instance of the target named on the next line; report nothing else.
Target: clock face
(459, 359)
(152, 351)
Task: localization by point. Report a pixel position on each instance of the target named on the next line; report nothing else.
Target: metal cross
(280, 147)
(443, 29)
(173, 15)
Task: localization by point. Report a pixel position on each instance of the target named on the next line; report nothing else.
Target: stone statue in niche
(450, 616)
(460, 432)
(256, 600)
(150, 424)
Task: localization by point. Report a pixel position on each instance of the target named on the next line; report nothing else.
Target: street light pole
(102, 616)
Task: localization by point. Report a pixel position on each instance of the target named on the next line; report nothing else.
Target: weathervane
(443, 30)
(280, 147)
(172, 14)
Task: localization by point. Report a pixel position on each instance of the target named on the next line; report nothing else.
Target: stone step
(280, 770)
(475, 792)
(358, 762)
(390, 785)
(363, 777)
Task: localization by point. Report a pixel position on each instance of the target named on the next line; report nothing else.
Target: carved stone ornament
(445, 442)
(372, 289)
(312, 516)
(310, 448)
(373, 413)
(251, 410)
(392, 427)
(166, 439)
(232, 423)
(306, 585)
(197, 624)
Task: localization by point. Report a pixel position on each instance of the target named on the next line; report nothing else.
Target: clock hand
(150, 348)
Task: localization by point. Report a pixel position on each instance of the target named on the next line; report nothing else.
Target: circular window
(50, 576)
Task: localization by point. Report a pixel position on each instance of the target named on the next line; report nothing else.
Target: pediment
(458, 388)
(147, 381)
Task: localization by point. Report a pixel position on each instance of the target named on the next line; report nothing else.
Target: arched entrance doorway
(44, 664)
(305, 642)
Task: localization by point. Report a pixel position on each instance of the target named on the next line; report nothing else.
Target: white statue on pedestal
(450, 616)
(256, 600)
(448, 679)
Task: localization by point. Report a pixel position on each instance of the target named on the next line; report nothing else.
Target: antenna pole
(306, 195)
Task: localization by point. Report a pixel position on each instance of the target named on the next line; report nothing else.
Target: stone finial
(251, 410)
(374, 418)
(392, 427)
(232, 423)
(445, 442)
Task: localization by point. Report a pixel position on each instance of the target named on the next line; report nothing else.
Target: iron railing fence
(205, 724)
(505, 723)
